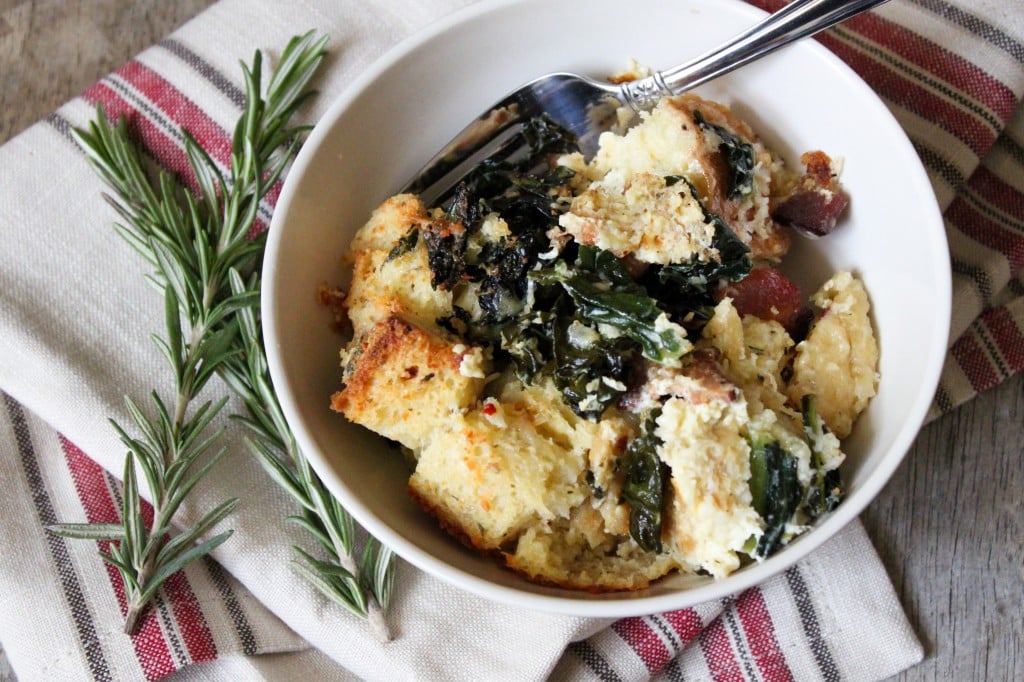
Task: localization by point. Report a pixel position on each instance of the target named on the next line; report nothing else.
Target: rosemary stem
(374, 612)
(375, 617)
(343, 550)
(210, 291)
(195, 242)
(199, 331)
(136, 606)
(131, 619)
(181, 404)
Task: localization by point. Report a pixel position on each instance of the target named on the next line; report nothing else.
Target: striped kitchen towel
(74, 316)
(63, 585)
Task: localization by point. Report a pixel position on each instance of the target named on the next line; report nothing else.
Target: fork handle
(798, 19)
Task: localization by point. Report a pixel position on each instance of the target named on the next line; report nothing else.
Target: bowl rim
(630, 604)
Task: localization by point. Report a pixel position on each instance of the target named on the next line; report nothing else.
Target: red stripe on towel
(151, 647)
(184, 113)
(975, 362)
(911, 95)
(1000, 195)
(179, 109)
(167, 151)
(644, 641)
(687, 624)
(719, 654)
(984, 230)
(161, 135)
(190, 619)
(936, 61)
(931, 62)
(759, 631)
(1008, 336)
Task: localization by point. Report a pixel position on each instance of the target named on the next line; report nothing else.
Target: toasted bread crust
(401, 381)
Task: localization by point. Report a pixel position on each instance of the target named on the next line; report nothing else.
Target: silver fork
(587, 107)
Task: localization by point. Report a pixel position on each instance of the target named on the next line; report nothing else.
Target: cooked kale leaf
(501, 270)
(696, 277)
(526, 192)
(604, 293)
(775, 490)
(693, 281)
(446, 253)
(524, 189)
(646, 476)
(591, 373)
(404, 245)
(525, 307)
(825, 492)
(590, 370)
(528, 345)
(738, 155)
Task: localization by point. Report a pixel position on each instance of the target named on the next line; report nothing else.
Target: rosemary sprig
(197, 244)
(360, 581)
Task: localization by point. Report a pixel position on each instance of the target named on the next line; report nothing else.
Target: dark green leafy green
(738, 155)
(775, 490)
(646, 476)
(528, 344)
(825, 491)
(404, 245)
(525, 191)
(604, 293)
(590, 370)
(501, 273)
(525, 306)
(695, 279)
(590, 375)
(446, 253)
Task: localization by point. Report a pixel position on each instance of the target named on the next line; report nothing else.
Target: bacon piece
(698, 380)
(817, 201)
(709, 381)
(768, 294)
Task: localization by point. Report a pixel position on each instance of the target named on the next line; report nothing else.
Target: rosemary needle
(206, 264)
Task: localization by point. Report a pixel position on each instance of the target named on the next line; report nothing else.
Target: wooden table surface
(950, 524)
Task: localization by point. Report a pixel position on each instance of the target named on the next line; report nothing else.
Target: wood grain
(950, 529)
(51, 50)
(950, 524)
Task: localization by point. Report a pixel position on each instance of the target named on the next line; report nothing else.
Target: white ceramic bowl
(402, 109)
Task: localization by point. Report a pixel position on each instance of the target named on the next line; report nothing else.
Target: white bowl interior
(414, 99)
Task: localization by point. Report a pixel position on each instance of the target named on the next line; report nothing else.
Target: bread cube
(390, 279)
(579, 553)
(710, 516)
(405, 382)
(838, 360)
(505, 465)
